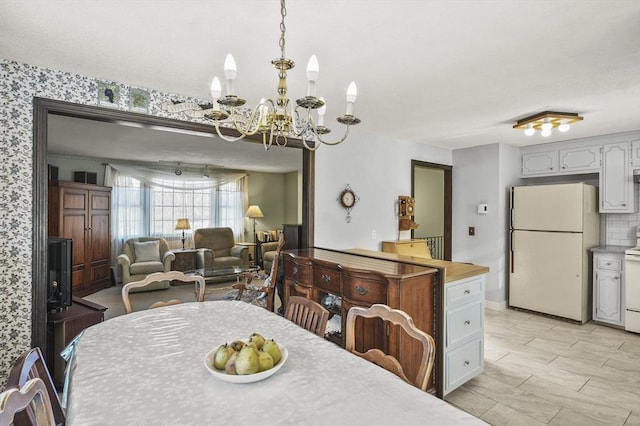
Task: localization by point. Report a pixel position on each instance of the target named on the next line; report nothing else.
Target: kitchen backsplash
(621, 228)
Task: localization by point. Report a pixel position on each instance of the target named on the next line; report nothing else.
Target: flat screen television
(59, 253)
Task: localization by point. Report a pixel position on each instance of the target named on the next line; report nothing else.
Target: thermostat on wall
(483, 208)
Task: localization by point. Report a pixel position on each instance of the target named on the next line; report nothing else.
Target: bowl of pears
(246, 361)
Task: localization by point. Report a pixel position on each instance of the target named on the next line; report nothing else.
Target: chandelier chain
(283, 28)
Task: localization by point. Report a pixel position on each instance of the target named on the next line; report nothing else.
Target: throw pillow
(148, 251)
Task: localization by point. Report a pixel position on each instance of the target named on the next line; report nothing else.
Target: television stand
(63, 326)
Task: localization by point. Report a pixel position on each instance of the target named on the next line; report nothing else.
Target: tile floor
(540, 370)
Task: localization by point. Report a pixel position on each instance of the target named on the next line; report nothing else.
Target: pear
(237, 345)
(257, 339)
(223, 353)
(271, 347)
(230, 366)
(265, 361)
(247, 361)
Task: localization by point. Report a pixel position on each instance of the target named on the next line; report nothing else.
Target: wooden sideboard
(363, 281)
(445, 299)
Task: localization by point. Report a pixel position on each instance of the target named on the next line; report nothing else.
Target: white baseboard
(495, 306)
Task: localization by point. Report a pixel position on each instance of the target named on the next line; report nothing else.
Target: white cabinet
(579, 160)
(540, 163)
(568, 160)
(463, 331)
(608, 288)
(616, 179)
(635, 154)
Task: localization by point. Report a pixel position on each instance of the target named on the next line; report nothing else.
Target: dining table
(147, 368)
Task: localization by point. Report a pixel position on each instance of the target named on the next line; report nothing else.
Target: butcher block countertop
(453, 271)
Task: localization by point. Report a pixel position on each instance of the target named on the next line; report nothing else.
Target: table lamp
(182, 225)
(253, 212)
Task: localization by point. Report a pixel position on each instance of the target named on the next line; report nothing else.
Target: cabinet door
(616, 180)
(540, 163)
(580, 160)
(608, 296)
(635, 154)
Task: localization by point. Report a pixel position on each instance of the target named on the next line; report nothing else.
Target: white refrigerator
(552, 229)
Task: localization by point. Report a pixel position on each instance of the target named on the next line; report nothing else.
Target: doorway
(431, 189)
(41, 111)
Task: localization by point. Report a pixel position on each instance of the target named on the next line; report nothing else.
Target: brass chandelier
(278, 120)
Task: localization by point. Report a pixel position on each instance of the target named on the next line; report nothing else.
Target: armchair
(267, 244)
(217, 248)
(268, 253)
(143, 256)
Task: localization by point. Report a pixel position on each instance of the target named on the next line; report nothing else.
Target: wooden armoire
(82, 212)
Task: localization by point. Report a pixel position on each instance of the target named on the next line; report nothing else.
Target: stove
(632, 286)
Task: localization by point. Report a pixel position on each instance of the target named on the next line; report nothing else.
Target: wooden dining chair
(265, 294)
(162, 276)
(31, 365)
(307, 314)
(32, 397)
(397, 317)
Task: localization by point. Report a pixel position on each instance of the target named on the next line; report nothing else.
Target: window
(151, 207)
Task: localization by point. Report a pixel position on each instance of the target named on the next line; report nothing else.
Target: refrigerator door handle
(511, 208)
(511, 255)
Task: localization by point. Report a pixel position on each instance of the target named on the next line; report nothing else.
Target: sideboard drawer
(300, 272)
(463, 363)
(463, 323)
(464, 292)
(367, 291)
(327, 279)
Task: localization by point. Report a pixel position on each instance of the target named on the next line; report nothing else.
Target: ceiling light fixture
(546, 121)
(278, 120)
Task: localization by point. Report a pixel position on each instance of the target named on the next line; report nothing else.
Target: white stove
(632, 286)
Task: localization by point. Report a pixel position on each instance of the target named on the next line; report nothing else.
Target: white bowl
(244, 378)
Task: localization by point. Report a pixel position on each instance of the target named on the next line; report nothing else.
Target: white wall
(478, 178)
(67, 165)
(378, 170)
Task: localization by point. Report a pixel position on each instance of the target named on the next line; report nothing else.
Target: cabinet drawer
(463, 323)
(614, 264)
(463, 363)
(367, 291)
(464, 292)
(299, 272)
(327, 279)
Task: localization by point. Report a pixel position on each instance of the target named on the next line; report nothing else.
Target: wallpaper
(19, 84)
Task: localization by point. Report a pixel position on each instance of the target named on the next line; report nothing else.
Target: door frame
(42, 107)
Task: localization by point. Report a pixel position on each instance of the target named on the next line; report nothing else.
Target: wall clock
(348, 199)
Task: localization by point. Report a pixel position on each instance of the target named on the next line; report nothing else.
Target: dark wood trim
(39, 237)
(41, 109)
(308, 197)
(448, 199)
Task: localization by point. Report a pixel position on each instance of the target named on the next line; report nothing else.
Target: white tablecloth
(146, 368)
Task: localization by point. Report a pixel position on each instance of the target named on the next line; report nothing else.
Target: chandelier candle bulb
(216, 92)
(230, 72)
(321, 112)
(313, 71)
(352, 94)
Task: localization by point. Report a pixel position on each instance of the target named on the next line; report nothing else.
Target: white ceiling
(447, 73)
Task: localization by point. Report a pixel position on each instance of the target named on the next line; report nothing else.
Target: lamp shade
(183, 224)
(253, 212)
